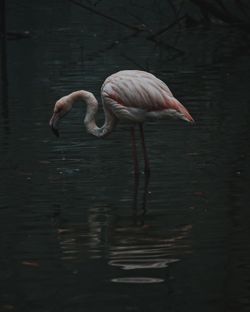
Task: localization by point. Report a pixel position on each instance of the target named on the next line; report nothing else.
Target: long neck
(92, 108)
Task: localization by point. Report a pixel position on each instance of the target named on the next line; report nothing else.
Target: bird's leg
(145, 198)
(134, 154)
(145, 194)
(145, 154)
(135, 198)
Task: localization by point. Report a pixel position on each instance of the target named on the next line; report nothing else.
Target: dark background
(76, 233)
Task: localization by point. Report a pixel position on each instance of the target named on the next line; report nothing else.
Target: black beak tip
(55, 131)
(53, 124)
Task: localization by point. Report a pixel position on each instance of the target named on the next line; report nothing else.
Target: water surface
(77, 234)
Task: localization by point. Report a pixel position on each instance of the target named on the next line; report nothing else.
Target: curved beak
(54, 124)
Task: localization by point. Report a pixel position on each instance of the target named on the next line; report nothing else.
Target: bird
(132, 96)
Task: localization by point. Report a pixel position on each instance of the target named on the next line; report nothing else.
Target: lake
(77, 232)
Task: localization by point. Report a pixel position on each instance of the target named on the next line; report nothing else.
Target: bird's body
(134, 95)
(128, 95)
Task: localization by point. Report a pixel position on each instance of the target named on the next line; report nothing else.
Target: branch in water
(216, 9)
(166, 28)
(111, 18)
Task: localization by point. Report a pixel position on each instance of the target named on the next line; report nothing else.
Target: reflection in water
(137, 280)
(139, 218)
(129, 248)
(126, 242)
(144, 248)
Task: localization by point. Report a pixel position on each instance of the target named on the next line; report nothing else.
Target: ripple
(139, 252)
(143, 263)
(137, 280)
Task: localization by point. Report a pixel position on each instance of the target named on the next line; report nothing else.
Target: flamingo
(128, 95)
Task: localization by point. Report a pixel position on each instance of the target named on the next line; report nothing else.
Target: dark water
(76, 232)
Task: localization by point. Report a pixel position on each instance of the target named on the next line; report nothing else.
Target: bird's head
(61, 108)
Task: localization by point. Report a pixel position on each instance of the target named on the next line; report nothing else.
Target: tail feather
(185, 115)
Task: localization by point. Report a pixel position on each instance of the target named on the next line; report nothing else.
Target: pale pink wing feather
(142, 90)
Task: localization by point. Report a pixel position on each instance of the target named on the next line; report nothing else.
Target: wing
(136, 89)
(141, 92)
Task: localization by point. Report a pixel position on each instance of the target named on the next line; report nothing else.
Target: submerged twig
(110, 46)
(134, 62)
(166, 28)
(173, 8)
(111, 18)
(167, 46)
(243, 7)
(217, 10)
(136, 29)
